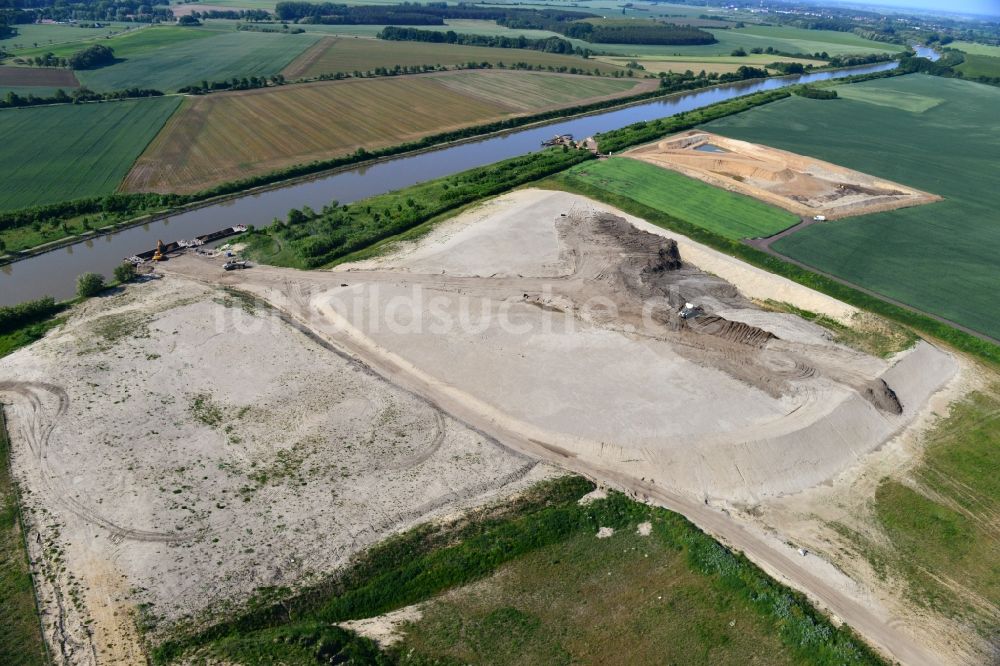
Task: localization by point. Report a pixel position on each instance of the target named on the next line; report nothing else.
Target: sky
(987, 7)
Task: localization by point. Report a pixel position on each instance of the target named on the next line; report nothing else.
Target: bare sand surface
(180, 448)
(800, 184)
(565, 363)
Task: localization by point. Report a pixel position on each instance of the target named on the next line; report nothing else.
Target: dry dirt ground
(799, 184)
(551, 322)
(179, 448)
(180, 445)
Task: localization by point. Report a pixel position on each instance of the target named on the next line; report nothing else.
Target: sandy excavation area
(800, 184)
(554, 321)
(179, 447)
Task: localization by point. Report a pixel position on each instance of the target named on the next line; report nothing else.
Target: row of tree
(32, 11)
(76, 96)
(548, 44)
(641, 33)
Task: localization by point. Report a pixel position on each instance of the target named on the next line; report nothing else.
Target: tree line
(31, 11)
(76, 96)
(433, 13)
(548, 44)
(641, 33)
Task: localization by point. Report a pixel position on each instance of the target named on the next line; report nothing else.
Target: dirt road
(588, 267)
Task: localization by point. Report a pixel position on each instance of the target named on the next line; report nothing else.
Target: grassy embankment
(936, 527)
(935, 134)
(715, 603)
(21, 642)
(218, 138)
(70, 151)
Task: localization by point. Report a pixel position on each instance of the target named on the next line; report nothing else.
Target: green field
(940, 258)
(976, 49)
(725, 213)
(654, 608)
(528, 582)
(65, 152)
(134, 42)
(40, 38)
(181, 60)
(976, 65)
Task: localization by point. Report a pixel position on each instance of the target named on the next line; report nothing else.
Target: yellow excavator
(158, 255)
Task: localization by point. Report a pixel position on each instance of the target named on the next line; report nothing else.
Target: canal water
(54, 273)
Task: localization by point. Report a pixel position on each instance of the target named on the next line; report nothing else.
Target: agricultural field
(37, 76)
(976, 65)
(465, 26)
(37, 81)
(976, 49)
(719, 64)
(56, 153)
(530, 91)
(225, 136)
(332, 54)
(32, 38)
(182, 60)
(133, 42)
(942, 139)
(725, 213)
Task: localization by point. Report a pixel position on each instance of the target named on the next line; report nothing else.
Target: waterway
(54, 273)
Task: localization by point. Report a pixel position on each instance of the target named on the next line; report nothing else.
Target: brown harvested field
(802, 185)
(48, 77)
(349, 54)
(227, 136)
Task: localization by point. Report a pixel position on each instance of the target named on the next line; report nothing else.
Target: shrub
(124, 272)
(89, 284)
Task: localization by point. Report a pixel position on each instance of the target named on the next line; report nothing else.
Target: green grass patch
(67, 152)
(942, 535)
(130, 43)
(11, 342)
(21, 641)
(986, 351)
(950, 149)
(218, 57)
(559, 605)
(976, 49)
(37, 39)
(725, 213)
(893, 99)
(702, 587)
(976, 66)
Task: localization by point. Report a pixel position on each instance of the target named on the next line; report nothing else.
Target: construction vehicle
(235, 265)
(690, 311)
(158, 254)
